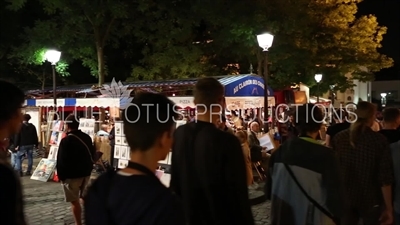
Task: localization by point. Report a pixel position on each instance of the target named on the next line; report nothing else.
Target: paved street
(44, 204)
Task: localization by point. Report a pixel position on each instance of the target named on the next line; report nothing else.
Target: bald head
(254, 126)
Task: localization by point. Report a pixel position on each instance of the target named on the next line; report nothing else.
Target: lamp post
(53, 57)
(333, 94)
(265, 42)
(318, 78)
(383, 99)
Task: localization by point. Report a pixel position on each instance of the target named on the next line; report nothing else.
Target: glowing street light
(318, 78)
(265, 42)
(53, 57)
(383, 99)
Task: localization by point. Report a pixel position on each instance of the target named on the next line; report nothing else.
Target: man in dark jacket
(26, 141)
(208, 169)
(75, 164)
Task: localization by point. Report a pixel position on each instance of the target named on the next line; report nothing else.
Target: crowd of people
(351, 178)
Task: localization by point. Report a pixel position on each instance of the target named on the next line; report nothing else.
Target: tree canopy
(178, 39)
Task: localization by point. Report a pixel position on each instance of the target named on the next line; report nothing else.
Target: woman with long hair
(366, 170)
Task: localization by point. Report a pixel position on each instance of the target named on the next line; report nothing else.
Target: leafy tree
(81, 29)
(310, 37)
(166, 32)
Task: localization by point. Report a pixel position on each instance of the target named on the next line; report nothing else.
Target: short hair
(11, 98)
(27, 117)
(391, 114)
(72, 122)
(308, 118)
(147, 119)
(208, 91)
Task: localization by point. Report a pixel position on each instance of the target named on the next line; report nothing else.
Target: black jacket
(73, 158)
(209, 174)
(27, 135)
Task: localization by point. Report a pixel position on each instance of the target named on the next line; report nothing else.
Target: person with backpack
(26, 141)
(303, 180)
(75, 159)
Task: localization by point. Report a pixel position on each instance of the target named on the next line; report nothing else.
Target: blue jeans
(14, 157)
(28, 150)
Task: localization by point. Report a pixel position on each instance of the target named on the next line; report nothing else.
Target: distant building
(392, 90)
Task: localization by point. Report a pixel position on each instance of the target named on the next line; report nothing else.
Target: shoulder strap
(315, 203)
(87, 147)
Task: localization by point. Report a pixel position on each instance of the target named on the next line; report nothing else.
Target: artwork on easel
(44, 170)
(53, 153)
(122, 163)
(123, 152)
(118, 126)
(87, 126)
(117, 152)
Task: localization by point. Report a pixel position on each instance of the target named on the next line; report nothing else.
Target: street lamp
(318, 78)
(265, 42)
(53, 57)
(383, 99)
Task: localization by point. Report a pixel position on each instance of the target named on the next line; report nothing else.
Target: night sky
(387, 12)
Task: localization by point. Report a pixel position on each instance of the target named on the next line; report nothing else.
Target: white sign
(183, 102)
(49, 102)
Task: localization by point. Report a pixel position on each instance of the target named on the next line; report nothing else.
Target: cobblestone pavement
(44, 204)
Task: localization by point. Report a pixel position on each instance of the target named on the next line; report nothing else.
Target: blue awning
(244, 85)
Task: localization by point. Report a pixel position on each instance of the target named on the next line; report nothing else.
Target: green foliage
(81, 29)
(179, 39)
(167, 40)
(310, 37)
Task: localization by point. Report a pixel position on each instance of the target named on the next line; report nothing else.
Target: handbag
(315, 203)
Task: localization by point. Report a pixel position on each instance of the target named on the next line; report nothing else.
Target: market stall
(52, 131)
(245, 92)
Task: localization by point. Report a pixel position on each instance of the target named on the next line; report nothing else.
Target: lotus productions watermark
(282, 113)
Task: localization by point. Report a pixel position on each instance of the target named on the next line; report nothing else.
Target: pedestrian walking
(11, 201)
(75, 159)
(27, 141)
(366, 170)
(303, 180)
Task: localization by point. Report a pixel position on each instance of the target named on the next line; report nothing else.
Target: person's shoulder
(85, 136)
(379, 137)
(7, 175)
(344, 133)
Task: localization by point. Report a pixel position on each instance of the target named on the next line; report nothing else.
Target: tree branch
(90, 20)
(107, 32)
